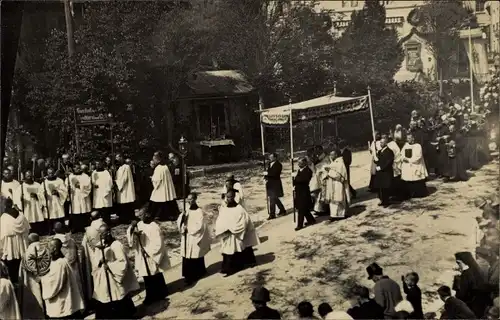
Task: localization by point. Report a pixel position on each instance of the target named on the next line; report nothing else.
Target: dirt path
(322, 262)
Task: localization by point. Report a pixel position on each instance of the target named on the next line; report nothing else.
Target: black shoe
(299, 228)
(282, 213)
(271, 217)
(310, 223)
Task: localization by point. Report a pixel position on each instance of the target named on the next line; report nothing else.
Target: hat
(260, 294)
(229, 177)
(465, 257)
(374, 270)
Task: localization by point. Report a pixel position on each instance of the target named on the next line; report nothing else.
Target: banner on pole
(90, 116)
(277, 118)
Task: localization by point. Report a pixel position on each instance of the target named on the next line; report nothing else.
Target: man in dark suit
(303, 200)
(387, 291)
(365, 307)
(384, 174)
(454, 308)
(347, 157)
(274, 187)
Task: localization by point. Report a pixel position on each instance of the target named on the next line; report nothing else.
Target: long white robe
(122, 279)
(60, 290)
(31, 207)
(151, 239)
(125, 184)
(103, 189)
(90, 239)
(239, 197)
(377, 148)
(197, 238)
(13, 236)
(316, 183)
(56, 203)
(31, 302)
(396, 165)
(8, 188)
(9, 308)
(336, 188)
(80, 197)
(70, 251)
(414, 169)
(235, 230)
(163, 186)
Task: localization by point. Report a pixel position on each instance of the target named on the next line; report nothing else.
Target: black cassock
(177, 173)
(274, 185)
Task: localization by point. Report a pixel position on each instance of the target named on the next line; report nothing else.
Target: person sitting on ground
(454, 308)
(364, 307)
(413, 294)
(305, 310)
(260, 298)
(404, 310)
(326, 312)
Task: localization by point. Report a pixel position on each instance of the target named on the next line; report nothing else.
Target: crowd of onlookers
(475, 287)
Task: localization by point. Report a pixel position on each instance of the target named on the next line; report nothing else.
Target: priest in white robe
(151, 256)
(316, 182)
(114, 279)
(335, 186)
(163, 205)
(56, 193)
(14, 229)
(413, 169)
(90, 240)
(375, 147)
(9, 308)
(70, 251)
(195, 241)
(80, 186)
(233, 184)
(125, 190)
(60, 292)
(9, 184)
(103, 191)
(29, 198)
(237, 234)
(31, 303)
(396, 144)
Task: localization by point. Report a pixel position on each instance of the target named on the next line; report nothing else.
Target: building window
(354, 3)
(413, 57)
(480, 5)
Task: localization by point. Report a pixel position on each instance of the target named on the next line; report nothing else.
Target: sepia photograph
(250, 159)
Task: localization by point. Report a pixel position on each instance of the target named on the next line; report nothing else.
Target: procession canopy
(323, 107)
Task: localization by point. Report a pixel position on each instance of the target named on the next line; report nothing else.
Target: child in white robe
(9, 308)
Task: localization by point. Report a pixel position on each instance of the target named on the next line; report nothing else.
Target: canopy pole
(291, 156)
(262, 144)
(371, 112)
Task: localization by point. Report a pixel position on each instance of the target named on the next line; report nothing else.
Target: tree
(442, 35)
(369, 51)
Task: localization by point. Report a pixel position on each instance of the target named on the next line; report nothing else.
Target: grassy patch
(331, 270)
(347, 285)
(260, 278)
(304, 250)
(202, 303)
(372, 235)
(453, 233)
(221, 315)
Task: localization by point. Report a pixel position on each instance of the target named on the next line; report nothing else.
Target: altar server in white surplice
(163, 204)
(375, 147)
(60, 287)
(233, 184)
(80, 187)
(237, 234)
(413, 169)
(9, 184)
(9, 308)
(30, 199)
(103, 191)
(31, 303)
(14, 229)
(151, 258)
(57, 193)
(114, 279)
(195, 241)
(125, 190)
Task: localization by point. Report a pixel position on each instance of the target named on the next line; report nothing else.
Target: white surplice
(125, 184)
(335, 189)
(55, 202)
(396, 165)
(9, 308)
(80, 197)
(60, 290)
(8, 188)
(122, 279)
(151, 239)
(70, 251)
(31, 207)
(316, 183)
(163, 186)
(239, 196)
(197, 237)
(31, 304)
(235, 230)
(91, 238)
(13, 236)
(103, 187)
(414, 169)
(377, 147)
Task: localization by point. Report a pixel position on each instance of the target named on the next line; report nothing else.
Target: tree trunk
(440, 80)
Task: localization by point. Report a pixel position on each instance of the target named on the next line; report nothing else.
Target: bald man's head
(95, 215)
(55, 246)
(33, 237)
(58, 227)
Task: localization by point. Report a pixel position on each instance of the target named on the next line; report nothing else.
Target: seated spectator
(364, 307)
(305, 310)
(405, 310)
(324, 309)
(413, 294)
(326, 312)
(454, 308)
(260, 298)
